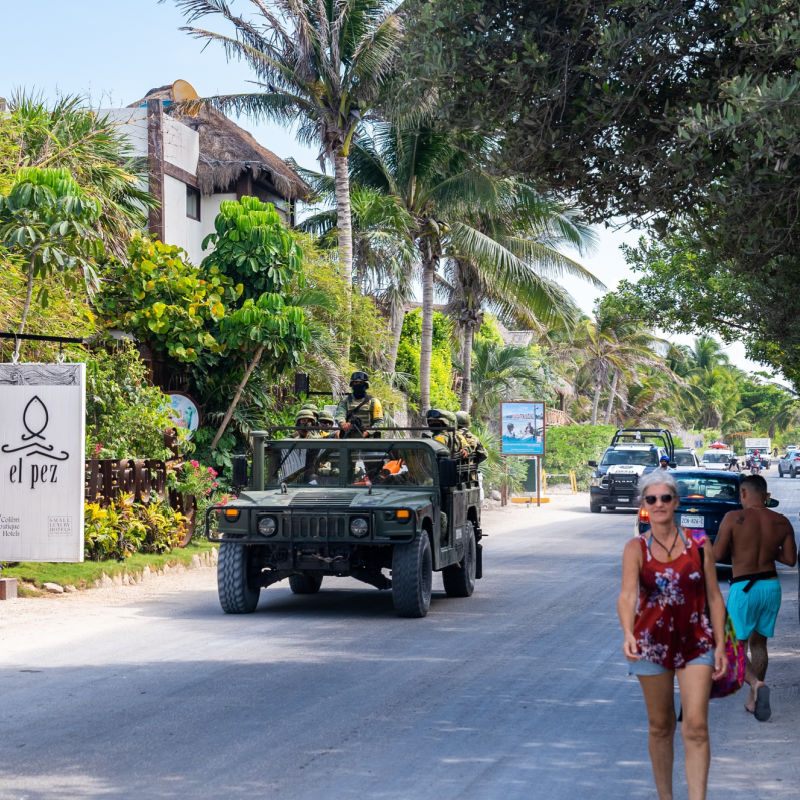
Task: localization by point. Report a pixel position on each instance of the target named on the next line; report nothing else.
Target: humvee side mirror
(239, 465)
(448, 472)
(592, 463)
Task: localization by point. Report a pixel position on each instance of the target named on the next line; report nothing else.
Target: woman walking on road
(663, 607)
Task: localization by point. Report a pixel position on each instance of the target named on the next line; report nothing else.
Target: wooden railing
(145, 479)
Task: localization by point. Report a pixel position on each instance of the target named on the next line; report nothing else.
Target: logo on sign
(35, 419)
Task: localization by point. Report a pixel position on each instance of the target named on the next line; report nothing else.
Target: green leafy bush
(125, 416)
(570, 447)
(123, 528)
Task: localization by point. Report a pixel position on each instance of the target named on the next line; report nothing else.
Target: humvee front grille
(324, 498)
(308, 526)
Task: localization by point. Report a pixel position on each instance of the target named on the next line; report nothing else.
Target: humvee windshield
(388, 466)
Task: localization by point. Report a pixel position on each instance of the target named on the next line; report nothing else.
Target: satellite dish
(182, 91)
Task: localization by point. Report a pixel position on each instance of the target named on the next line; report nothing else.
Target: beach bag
(733, 679)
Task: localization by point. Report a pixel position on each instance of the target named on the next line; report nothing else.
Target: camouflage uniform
(300, 433)
(370, 413)
(470, 442)
(449, 439)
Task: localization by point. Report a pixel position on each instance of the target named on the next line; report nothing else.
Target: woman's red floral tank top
(672, 625)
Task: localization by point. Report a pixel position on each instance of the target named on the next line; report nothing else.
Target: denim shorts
(644, 667)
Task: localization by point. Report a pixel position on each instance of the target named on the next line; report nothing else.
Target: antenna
(182, 91)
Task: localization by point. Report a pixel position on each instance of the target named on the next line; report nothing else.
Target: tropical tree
(68, 135)
(531, 227)
(317, 64)
(440, 180)
(497, 371)
(383, 251)
(46, 220)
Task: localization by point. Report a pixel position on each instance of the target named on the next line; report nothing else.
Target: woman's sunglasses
(650, 499)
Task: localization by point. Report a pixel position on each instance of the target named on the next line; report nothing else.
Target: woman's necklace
(671, 547)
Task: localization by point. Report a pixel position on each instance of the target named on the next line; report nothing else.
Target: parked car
(706, 496)
(686, 457)
(789, 464)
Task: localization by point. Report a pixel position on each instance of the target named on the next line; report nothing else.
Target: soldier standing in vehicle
(471, 443)
(359, 411)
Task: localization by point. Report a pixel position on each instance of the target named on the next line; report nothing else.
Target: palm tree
(67, 135)
(496, 371)
(531, 227)
(603, 352)
(438, 178)
(317, 64)
(383, 251)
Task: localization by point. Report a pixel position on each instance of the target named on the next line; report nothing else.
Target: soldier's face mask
(359, 389)
(304, 424)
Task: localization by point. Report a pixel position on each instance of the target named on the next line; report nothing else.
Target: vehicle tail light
(644, 515)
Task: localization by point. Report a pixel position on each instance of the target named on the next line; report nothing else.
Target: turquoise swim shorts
(755, 610)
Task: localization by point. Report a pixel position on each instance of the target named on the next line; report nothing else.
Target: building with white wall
(196, 160)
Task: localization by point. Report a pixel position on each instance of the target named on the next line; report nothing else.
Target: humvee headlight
(231, 514)
(359, 527)
(267, 526)
(403, 515)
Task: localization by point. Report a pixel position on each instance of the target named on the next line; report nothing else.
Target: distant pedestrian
(667, 633)
(756, 537)
(663, 462)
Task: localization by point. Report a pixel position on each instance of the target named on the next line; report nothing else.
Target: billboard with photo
(522, 428)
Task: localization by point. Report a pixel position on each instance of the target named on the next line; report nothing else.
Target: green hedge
(570, 447)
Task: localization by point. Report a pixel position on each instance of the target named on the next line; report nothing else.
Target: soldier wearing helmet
(304, 421)
(359, 411)
(471, 443)
(325, 422)
(439, 420)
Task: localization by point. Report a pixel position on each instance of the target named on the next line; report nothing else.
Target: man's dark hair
(755, 483)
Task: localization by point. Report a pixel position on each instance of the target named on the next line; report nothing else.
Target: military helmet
(440, 417)
(359, 376)
(462, 418)
(305, 413)
(325, 416)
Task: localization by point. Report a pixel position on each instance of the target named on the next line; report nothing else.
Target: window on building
(192, 203)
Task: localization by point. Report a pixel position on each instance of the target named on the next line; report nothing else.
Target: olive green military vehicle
(324, 508)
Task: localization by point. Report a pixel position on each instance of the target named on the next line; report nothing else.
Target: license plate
(692, 521)
(623, 499)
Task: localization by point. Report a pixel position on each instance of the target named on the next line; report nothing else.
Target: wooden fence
(145, 479)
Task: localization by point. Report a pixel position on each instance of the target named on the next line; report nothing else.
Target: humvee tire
(305, 583)
(595, 508)
(459, 579)
(236, 595)
(412, 577)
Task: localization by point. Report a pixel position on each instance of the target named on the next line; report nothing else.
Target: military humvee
(317, 508)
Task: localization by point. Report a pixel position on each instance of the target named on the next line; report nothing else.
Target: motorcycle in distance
(754, 464)
(733, 464)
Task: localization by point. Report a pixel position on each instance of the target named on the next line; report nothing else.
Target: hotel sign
(42, 464)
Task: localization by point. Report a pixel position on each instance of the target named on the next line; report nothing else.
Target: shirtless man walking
(756, 538)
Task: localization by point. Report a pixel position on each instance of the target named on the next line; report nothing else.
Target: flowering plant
(193, 478)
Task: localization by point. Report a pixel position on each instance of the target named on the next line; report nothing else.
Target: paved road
(518, 692)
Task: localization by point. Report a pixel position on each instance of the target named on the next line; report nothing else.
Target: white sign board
(42, 466)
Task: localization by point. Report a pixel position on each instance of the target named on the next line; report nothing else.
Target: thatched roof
(226, 151)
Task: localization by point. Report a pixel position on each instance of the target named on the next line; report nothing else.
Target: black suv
(632, 452)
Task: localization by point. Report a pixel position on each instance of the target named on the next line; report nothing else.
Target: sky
(114, 52)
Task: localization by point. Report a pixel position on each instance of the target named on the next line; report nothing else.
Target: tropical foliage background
(445, 221)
